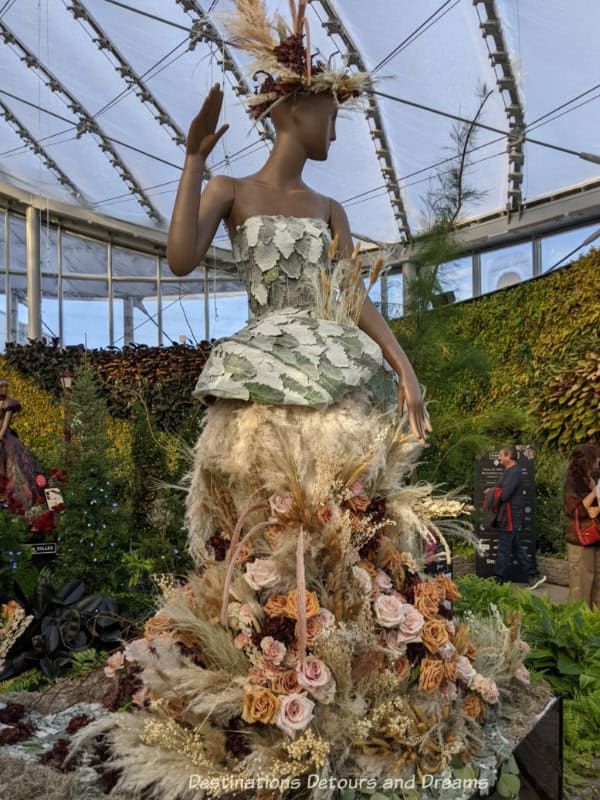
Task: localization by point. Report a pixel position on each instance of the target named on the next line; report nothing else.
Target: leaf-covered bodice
(277, 258)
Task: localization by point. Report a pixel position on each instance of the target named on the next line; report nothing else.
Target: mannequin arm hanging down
(193, 226)
(375, 326)
(5, 424)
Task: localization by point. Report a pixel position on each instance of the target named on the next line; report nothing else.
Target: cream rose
(114, 663)
(325, 618)
(136, 650)
(273, 650)
(295, 713)
(261, 574)
(522, 674)
(383, 581)
(388, 610)
(281, 505)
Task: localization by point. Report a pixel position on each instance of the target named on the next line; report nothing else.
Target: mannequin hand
(202, 135)
(417, 413)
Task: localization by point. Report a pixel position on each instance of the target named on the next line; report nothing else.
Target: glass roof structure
(97, 96)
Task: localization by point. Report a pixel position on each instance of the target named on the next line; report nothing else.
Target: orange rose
(471, 651)
(260, 705)
(312, 604)
(287, 683)
(431, 674)
(276, 605)
(427, 598)
(450, 669)
(434, 635)
(448, 587)
(359, 503)
(473, 706)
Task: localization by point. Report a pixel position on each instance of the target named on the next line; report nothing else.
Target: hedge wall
(541, 339)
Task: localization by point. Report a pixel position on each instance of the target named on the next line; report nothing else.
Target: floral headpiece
(283, 58)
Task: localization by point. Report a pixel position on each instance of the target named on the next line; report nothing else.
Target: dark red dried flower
(411, 581)
(219, 545)
(78, 722)
(372, 546)
(12, 713)
(280, 628)
(415, 652)
(16, 733)
(57, 756)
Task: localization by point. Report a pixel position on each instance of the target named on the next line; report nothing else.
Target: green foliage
(95, 528)
(581, 727)
(568, 410)
(86, 661)
(29, 681)
(162, 377)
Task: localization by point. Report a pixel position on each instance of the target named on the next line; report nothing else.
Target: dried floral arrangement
(281, 54)
(13, 622)
(308, 644)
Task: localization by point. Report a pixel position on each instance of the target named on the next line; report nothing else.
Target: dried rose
(522, 674)
(262, 573)
(287, 683)
(313, 673)
(114, 663)
(473, 707)
(159, 623)
(260, 705)
(427, 599)
(276, 605)
(325, 618)
(402, 668)
(368, 566)
(312, 604)
(313, 627)
(358, 504)
(295, 713)
(273, 650)
(462, 638)
(434, 635)
(383, 581)
(465, 670)
(431, 674)
(388, 610)
(363, 580)
(281, 506)
(412, 623)
(486, 687)
(448, 588)
(324, 514)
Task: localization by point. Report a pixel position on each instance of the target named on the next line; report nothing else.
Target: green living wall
(540, 339)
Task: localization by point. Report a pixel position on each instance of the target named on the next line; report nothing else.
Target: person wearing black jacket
(510, 520)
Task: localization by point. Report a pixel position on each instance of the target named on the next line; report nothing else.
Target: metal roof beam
(334, 26)
(126, 71)
(39, 151)
(204, 30)
(491, 27)
(86, 123)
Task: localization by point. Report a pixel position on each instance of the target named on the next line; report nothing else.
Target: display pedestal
(540, 757)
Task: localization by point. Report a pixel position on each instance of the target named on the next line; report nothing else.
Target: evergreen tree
(94, 529)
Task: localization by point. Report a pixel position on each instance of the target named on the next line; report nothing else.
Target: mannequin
(305, 128)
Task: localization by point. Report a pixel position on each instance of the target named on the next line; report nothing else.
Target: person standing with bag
(581, 506)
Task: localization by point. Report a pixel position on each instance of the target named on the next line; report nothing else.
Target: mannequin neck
(283, 168)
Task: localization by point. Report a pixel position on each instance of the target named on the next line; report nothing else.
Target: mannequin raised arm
(194, 224)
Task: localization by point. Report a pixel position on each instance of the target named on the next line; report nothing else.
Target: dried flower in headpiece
(282, 60)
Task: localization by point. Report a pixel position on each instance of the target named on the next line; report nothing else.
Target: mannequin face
(310, 119)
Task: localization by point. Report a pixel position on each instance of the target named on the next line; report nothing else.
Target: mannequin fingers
(221, 131)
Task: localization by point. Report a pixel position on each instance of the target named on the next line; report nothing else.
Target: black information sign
(487, 473)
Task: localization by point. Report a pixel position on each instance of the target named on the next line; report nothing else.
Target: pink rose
(486, 687)
(465, 671)
(136, 650)
(313, 673)
(281, 505)
(247, 615)
(357, 488)
(114, 663)
(261, 574)
(449, 692)
(256, 677)
(383, 581)
(295, 713)
(139, 697)
(450, 627)
(324, 514)
(388, 610)
(273, 650)
(241, 640)
(522, 674)
(325, 618)
(411, 625)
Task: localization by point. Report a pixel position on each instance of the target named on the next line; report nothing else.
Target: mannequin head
(310, 120)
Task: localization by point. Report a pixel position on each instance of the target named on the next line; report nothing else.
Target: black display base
(540, 757)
